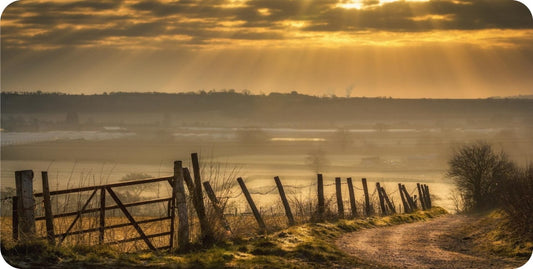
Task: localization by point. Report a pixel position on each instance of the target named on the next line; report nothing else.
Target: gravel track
(429, 244)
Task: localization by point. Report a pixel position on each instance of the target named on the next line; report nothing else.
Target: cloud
(51, 24)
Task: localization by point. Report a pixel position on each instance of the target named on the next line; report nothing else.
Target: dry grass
(309, 245)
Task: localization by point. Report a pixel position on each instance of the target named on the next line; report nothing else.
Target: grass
(492, 233)
(302, 246)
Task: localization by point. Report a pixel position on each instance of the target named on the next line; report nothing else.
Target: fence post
(102, 216)
(284, 201)
(26, 202)
(181, 204)
(381, 200)
(421, 197)
(409, 198)
(367, 198)
(391, 206)
(352, 197)
(207, 233)
(338, 190)
(406, 208)
(216, 205)
(171, 209)
(48, 209)
(15, 218)
(428, 197)
(321, 204)
(257, 216)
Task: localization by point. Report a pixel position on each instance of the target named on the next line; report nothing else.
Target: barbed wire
(263, 193)
(414, 190)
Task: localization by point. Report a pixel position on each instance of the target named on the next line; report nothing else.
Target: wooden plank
(139, 238)
(15, 218)
(216, 205)
(25, 203)
(76, 218)
(258, 218)
(321, 201)
(130, 218)
(386, 197)
(285, 202)
(368, 208)
(97, 229)
(68, 214)
(102, 216)
(352, 197)
(181, 204)
(171, 208)
(340, 203)
(111, 185)
(381, 199)
(48, 209)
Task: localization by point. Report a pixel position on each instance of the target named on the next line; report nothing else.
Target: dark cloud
(417, 16)
(87, 22)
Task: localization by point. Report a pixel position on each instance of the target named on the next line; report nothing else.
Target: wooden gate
(101, 192)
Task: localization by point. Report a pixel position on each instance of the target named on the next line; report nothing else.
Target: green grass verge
(303, 246)
(491, 233)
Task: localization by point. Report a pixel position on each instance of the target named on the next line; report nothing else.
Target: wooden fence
(24, 218)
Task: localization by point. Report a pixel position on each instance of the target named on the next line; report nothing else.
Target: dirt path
(431, 244)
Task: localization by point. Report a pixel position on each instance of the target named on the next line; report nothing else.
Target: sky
(347, 48)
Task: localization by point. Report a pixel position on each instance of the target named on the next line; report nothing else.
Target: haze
(403, 49)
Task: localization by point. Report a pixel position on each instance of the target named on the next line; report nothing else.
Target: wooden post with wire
(368, 209)
(257, 215)
(406, 207)
(428, 197)
(207, 233)
(340, 204)
(48, 209)
(389, 204)
(321, 208)
(216, 205)
(381, 199)
(285, 202)
(352, 197)
(421, 197)
(408, 198)
(181, 206)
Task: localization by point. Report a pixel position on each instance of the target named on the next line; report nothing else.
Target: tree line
(273, 106)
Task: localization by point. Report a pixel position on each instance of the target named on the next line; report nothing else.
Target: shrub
(478, 171)
(517, 200)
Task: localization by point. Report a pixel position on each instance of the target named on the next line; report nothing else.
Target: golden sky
(404, 49)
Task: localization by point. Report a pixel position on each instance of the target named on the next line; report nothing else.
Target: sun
(360, 4)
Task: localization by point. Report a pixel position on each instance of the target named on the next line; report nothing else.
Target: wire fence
(329, 198)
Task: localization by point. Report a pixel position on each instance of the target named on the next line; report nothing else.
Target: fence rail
(24, 219)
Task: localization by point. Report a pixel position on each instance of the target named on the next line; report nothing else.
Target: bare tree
(478, 171)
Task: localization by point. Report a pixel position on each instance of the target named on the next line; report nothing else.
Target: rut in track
(430, 244)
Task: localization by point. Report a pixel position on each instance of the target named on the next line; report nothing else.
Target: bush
(517, 200)
(478, 172)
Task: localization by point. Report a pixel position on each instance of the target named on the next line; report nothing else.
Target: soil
(438, 243)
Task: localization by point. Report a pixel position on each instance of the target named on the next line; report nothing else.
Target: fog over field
(381, 139)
